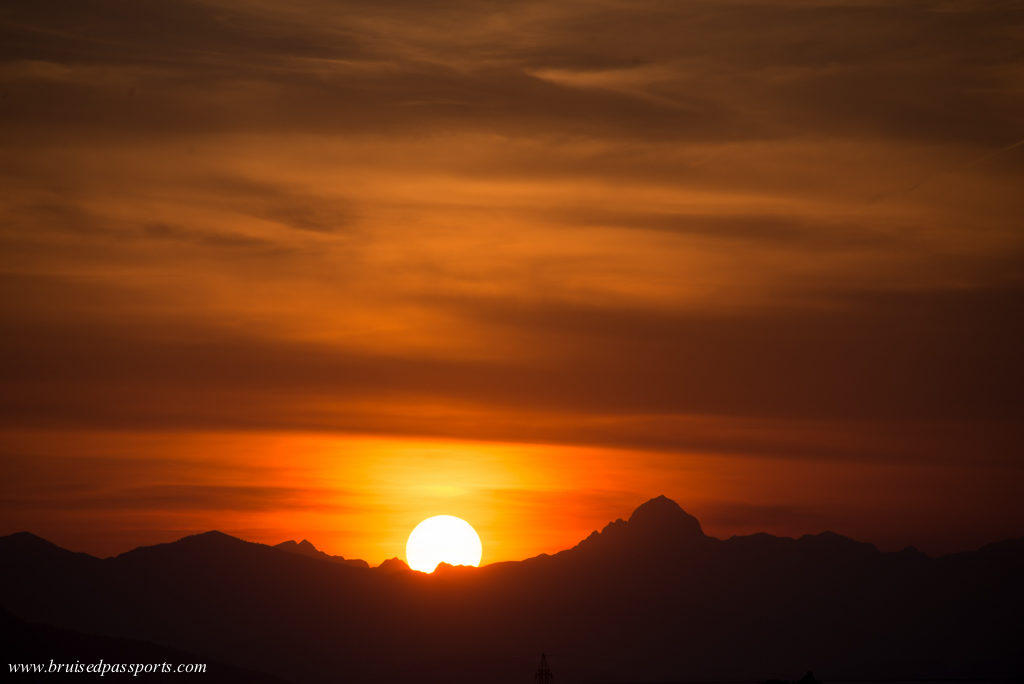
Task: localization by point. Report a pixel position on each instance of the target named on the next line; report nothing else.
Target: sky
(324, 269)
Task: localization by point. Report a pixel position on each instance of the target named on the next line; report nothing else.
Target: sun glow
(442, 539)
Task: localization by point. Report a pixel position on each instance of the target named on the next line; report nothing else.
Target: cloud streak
(784, 230)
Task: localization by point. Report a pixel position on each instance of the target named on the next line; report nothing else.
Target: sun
(442, 539)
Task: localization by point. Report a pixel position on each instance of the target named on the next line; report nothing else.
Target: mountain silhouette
(650, 598)
(664, 516)
(394, 565)
(306, 548)
(656, 529)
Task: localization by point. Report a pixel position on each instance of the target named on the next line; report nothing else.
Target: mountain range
(306, 548)
(647, 599)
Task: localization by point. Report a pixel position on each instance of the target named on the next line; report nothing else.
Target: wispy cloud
(787, 229)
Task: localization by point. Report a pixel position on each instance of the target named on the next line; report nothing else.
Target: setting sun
(442, 539)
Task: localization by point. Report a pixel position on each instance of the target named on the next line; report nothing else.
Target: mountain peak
(203, 544)
(26, 542)
(654, 526)
(665, 515)
(210, 539)
(306, 548)
(25, 539)
(395, 564)
(212, 535)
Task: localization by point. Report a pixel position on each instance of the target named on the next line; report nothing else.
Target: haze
(323, 270)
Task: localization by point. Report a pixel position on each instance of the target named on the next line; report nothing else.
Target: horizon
(513, 523)
(372, 564)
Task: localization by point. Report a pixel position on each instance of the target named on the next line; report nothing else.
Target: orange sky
(313, 271)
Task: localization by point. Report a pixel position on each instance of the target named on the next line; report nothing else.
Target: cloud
(783, 229)
(703, 70)
(903, 357)
(180, 497)
(164, 231)
(856, 381)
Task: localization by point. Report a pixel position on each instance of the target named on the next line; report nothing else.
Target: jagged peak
(657, 523)
(395, 564)
(301, 546)
(307, 549)
(444, 567)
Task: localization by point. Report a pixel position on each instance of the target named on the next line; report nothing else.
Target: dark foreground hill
(67, 654)
(648, 599)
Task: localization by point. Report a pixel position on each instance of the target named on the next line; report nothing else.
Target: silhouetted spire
(543, 674)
